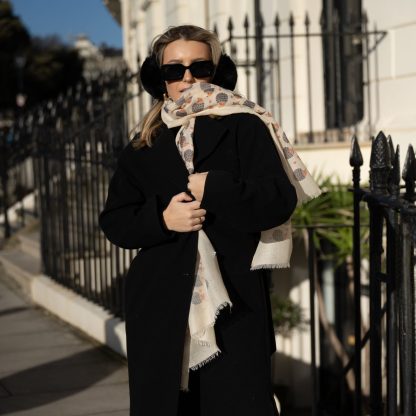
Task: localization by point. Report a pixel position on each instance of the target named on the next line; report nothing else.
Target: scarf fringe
(206, 361)
(270, 266)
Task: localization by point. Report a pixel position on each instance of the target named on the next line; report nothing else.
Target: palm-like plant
(331, 216)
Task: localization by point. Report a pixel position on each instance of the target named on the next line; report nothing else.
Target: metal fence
(16, 173)
(73, 144)
(392, 290)
(295, 71)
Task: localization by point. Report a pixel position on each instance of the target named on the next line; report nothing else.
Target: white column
(125, 5)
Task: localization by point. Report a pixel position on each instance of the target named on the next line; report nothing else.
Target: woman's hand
(183, 215)
(196, 184)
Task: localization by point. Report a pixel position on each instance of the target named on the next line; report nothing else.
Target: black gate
(392, 290)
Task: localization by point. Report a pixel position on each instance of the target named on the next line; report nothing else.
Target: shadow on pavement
(11, 311)
(58, 379)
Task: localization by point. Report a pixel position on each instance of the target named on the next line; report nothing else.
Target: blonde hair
(152, 120)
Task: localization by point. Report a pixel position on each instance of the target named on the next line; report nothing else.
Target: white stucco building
(389, 68)
(392, 68)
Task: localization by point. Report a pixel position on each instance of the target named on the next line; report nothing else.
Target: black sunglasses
(199, 69)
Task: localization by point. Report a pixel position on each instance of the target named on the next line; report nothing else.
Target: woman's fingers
(183, 196)
(184, 214)
(199, 213)
(198, 220)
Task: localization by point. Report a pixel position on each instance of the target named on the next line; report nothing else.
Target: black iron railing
(73, 144)
(273, 60)
(76, 141)
(16, 172)
(392, 291)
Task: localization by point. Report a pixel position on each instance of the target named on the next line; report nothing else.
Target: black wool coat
(246, 191)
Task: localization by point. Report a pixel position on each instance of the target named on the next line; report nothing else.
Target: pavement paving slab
(49, 368)
(14, 361)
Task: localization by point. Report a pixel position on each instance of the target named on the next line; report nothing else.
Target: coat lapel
(208, 133)
(168, 159)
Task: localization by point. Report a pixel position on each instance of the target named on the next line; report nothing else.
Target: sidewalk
(47, 368)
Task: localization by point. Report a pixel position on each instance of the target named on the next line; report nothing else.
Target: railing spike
(307, 20)
(394, 177)
(356, 160)
(391, 147)
(356, 157)
(409, 174)
(291, 20)
(246, 22)
(380, 152)
(380, 164)
(230, 26)
(277, 22)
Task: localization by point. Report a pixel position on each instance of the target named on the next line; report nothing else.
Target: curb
(93, 320)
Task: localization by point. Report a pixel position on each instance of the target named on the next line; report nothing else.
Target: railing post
(409, 175)
(4, 182)
(278, 68)
(356, 161)
(393, 271)
(312, 291)
(407, 330)
(259, 52)
(407, 290)
(308, 71)
(247, 52)
(293, 74)
(379, 172)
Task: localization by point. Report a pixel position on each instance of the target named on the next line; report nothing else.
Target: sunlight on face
(184, 52)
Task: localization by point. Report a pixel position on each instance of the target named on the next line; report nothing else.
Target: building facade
(360, 85)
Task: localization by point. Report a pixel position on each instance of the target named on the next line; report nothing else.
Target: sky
(68, 18)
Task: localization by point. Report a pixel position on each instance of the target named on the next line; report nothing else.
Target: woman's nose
(187, 76)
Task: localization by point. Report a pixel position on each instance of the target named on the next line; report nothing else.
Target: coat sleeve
(129, 220)
(262, 197)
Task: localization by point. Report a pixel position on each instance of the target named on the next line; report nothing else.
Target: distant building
(97, 59)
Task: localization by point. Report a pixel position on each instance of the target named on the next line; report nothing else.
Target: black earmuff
(150, 76)
(225, 73)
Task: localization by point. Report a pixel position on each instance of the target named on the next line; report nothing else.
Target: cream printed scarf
(275, 245)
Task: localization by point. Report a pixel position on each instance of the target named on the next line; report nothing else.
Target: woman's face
(184, 52)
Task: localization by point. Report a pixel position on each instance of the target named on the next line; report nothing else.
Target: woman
(196, 190)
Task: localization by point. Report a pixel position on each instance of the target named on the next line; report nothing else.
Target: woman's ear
(151, 78)
(225, 73)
